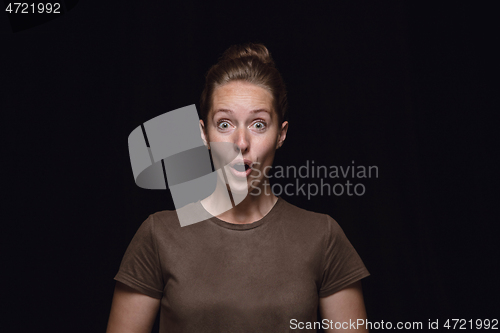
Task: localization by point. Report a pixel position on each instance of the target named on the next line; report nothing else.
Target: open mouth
(241, 167)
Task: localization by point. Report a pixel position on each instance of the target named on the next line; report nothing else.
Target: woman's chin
(239, 189)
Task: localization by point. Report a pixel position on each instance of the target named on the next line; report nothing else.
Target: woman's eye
(223, 125)
(260, 125)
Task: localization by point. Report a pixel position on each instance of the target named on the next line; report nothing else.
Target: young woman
(263, 266)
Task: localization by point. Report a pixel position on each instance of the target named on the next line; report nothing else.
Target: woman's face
(243, 114)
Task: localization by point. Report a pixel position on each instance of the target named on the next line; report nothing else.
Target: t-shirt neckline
(236, 226)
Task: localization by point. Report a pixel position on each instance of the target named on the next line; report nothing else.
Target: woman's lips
(240, 173)
(241, 164)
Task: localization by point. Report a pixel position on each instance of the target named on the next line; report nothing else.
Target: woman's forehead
(242, 97)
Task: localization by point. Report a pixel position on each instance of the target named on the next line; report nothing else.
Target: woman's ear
(203, 136)
(282, 134)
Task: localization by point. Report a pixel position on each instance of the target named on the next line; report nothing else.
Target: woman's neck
(251, 209)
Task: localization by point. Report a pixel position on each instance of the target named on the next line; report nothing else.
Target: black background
(406, 87)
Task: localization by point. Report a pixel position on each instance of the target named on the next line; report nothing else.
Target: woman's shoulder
(161, 220)
(176, 219)
(305, 216)
(309, 226)
(165, 217)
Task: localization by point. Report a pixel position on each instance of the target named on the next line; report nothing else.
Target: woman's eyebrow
(260, 110)
(223, 110)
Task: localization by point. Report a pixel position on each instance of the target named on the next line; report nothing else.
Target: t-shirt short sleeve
(342, 264)
(140, 267)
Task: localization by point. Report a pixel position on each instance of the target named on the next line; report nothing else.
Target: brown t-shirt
(215, 276)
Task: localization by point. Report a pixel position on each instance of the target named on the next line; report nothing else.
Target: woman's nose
(241, 141)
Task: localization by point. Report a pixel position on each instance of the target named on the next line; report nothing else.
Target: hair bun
(248, 50)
